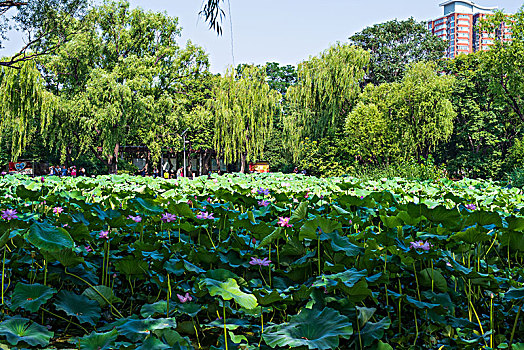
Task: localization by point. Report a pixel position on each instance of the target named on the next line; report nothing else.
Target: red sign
(21, 168)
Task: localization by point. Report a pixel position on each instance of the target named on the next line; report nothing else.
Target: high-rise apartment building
(458, 27)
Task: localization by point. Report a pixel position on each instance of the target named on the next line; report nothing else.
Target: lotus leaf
(312, 328)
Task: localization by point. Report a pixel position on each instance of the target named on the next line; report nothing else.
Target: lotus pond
(260, 262)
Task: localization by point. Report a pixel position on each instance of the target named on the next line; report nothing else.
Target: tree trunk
(243, 162)
(112, 161)
(207, 158)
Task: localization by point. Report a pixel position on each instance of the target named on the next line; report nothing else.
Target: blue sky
(288, 31)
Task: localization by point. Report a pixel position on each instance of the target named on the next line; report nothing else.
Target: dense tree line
(111, 76)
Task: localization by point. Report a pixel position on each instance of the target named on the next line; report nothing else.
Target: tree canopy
(243, 106)
(324, 94)
(394, 45)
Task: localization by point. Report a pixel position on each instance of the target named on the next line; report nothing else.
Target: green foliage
(396, 121)
(352, 244)
(326, 90)
(394, 45)
(243, 107)
(354, 252)
(312, 328)
(26, 106)
(124, 80)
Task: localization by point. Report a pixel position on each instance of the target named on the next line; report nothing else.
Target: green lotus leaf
(48, 237)
(157, 309)
(311, 228)
(18, 329)
(148, 206)
(132, 267)
(30, 296)
(230, 290)
(94, 292)
(136, 330)
(312, 328)
(472, 235)
(278, 233)
(374, 331)
(67, 257)
(433, 277)
(79, 306)
(341, 244)
(98, 341)
(300, 213)
(174, 339)
(514, 293)
(153, 343)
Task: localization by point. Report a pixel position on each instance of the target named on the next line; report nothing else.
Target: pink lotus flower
(88, 249)
(104, 234)
(168, 217)
(471, 206)
(42, 179)
(184, 298)
(263, 203)
(420, 245)
(260, 262)
(263, 191)
(9, 214)
(58, 210)
(205, 215)
(136, 219)
(284, 222)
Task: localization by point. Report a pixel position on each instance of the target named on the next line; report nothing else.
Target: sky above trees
(287, 31)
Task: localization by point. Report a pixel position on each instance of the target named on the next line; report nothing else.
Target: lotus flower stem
(478, 320)
(225, 327)
(45, 272)
(104, 265)
(96, 290)
(514, 326)
(399, 307)
(3, 275)
(416, 280)
(491, 320)
(211, 239)
(196, 332)
(107, 263)
(416, 327)
(168, 294)
(318, 249)
(358, 330)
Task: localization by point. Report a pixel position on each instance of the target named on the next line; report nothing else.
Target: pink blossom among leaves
(9, 214)
(284, 222)
(184, 298)
(260, 262)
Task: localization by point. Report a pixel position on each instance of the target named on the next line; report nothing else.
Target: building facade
(458, 27)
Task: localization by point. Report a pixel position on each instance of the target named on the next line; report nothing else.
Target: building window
(463, 22)
(462, 47)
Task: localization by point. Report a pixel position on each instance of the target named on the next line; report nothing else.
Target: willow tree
(26, 108)
(243, 106)
(124, 81)
(326, 90)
